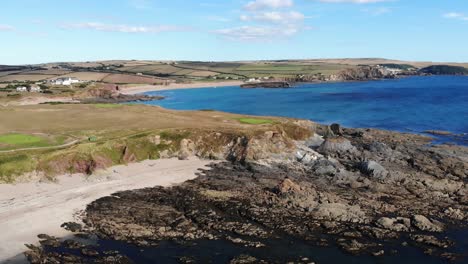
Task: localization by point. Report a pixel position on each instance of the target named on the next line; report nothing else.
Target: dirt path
(29, 209)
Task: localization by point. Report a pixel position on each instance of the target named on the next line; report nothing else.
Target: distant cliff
(444, 70)
(362, 73)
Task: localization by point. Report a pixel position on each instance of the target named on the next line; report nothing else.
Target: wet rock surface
(363, 195)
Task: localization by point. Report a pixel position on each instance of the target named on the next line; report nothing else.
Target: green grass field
(15, 141)
(23, 140)
(255, 121)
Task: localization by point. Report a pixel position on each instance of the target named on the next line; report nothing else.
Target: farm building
(22, 89)
(32, 89)
(35, 89)
(65, 81)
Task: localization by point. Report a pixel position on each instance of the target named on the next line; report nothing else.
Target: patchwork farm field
(151, 72)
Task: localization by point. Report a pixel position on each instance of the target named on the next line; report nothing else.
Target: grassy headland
(106, 135)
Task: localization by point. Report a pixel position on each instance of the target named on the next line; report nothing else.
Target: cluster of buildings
(66, 81)
(32, 89)
(259, 80)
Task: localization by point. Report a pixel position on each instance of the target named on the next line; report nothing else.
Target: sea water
(413, 104)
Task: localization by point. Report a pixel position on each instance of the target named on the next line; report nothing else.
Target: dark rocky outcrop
(120, 98)
(444, 70)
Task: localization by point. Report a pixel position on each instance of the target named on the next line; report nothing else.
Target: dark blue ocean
(413, 104)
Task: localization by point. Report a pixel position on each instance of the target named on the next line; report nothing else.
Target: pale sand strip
(29, 209)
(177, 86)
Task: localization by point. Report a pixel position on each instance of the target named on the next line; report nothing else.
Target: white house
(65, 81)
(35, 89)
(253, 80)
(21, 89)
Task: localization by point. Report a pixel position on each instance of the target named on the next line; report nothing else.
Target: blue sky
(36, 31)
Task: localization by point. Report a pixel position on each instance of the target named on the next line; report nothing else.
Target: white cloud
(267, 20)
(124, 28)
(275, 17)
(258, 33)
(353, 1)
(268, 4)
(6, 28)
(455, 15)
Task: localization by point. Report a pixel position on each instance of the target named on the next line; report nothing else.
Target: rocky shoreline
(357, 194)
(267, 85)
(120, 98)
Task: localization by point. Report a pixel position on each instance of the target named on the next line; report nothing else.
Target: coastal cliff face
(363, 192)
(363, 73)
(233, 145)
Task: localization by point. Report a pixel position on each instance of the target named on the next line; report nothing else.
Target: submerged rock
(425, 224)
(399, 224)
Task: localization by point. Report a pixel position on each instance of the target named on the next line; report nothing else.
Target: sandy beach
(29, 209)
(176, 86)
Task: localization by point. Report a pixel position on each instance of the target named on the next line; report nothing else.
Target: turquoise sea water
(412, 104)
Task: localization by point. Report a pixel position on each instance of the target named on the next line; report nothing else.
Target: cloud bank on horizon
(233, 30)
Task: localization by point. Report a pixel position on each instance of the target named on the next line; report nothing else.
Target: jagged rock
(128, 156)
(456, 214)
(425, 224)
(336, 129)
(431, 241)
(156, 140)
(373, 169)
(380, 148)
(324, 167)
(71, 226)
(336, 145)
(352, 246)
(89, 252)
(340, 212)
(306, 157)
(187, 148)
(379, 253)
(288, 186)
(398, 224)
(362, 73)
(315, 141)
(244, 259)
